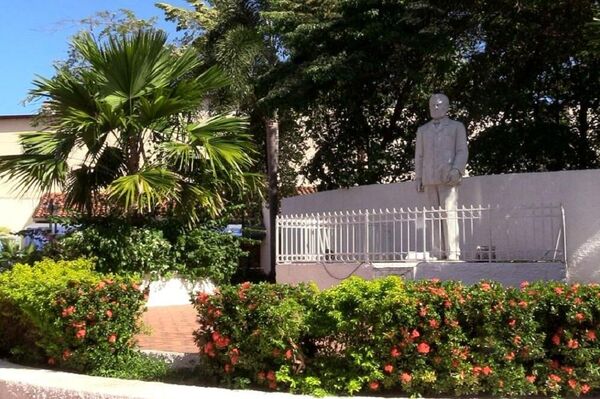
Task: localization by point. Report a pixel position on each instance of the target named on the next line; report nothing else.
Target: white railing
(485, 233)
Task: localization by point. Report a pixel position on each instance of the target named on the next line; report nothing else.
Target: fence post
(366, 247)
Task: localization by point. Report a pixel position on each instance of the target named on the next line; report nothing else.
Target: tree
(359, 74)
(232, 35)
(131, 111)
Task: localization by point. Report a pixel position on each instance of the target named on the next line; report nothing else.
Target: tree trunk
(272, 130)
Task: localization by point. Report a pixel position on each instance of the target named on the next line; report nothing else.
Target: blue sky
(35, 33)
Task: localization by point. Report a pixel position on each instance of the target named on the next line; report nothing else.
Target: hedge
(415, 338)
(65, 314)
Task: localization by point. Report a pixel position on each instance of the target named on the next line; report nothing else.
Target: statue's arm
(461, 151)
(419, 161)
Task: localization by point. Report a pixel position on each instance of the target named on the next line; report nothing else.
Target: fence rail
(486, 234)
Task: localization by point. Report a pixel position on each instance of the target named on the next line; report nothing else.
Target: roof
(306, 190)
(53, 204)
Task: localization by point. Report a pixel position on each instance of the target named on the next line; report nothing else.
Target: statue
(440, 159)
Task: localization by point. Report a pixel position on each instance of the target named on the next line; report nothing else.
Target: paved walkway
(170, 328)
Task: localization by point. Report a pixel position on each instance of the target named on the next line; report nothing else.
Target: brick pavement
(170, 329)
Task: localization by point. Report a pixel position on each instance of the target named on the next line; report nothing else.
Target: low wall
(174, 291)
(578, 191)
(509, 274)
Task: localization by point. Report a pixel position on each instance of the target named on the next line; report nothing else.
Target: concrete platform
(326, 275)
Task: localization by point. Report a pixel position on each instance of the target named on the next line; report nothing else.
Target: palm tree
(130, 112)
(234, 35)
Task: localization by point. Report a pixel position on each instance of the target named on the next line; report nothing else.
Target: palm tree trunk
(272, 131)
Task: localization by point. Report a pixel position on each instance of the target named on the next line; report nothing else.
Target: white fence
(485, 233)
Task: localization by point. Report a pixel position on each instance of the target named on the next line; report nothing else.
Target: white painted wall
(15, 210)
(578, 191)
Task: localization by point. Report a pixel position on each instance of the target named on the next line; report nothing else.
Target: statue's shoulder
(424, 127)
(455, 123)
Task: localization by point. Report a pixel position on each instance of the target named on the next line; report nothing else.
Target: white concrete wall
(578, 191)
(15, 210)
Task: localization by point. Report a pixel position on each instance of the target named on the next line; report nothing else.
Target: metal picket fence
(486, 234)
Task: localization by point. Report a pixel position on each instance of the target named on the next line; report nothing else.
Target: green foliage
(12, 253)
(207, 253)
(421, 338)
(65, 313)
(135, 89)
(135, 365)
(157, 249)
(118, 248)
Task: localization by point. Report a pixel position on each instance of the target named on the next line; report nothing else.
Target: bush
(207, 253)
(117, 248)
(66, 314)
(419, 338)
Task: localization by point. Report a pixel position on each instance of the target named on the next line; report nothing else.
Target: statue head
(438, 106)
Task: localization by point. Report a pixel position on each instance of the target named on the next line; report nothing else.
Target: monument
(441, 156)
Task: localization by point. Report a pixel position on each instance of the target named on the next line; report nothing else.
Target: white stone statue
(440, 159)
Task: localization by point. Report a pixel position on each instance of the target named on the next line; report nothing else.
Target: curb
(20, 382)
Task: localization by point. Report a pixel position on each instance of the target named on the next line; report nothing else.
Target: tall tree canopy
(126, 124)
(355, 76)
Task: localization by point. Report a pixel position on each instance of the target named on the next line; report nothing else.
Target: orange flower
(486, 286)
(559, 290)
(591, 335)
(554, 378)
(585, 388)
(423, 348)
(68, 311)
(415, 334)
(572, 384)
(517, 340)
(289, 354)
(486, 370)
(271, 375)
(374, 385)
(512, 323)
(112, 338)
(108, 313)
(510, 356)
(66, 354)
(556, 339)
(100, 285)
(433, 323)
(234, 356)
(209, 349)
(405, 378)
(568, 370)
(523, 304)
(524, 284)
(202, 297)
(394, 352)
(423, 312)
(80, 334)
(572, 344)
(530, 378)
(579, 317)
(388, 368)
(476, 370)
(245, 285)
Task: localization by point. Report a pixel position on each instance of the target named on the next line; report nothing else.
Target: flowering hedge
(423, 337)
(65, 314)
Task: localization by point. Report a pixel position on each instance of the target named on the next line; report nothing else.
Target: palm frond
(145, 189)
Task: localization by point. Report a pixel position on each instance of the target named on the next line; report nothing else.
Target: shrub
(208, 253)
(420, 338)
(66, 314)
(117, 248)
(252, 330)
